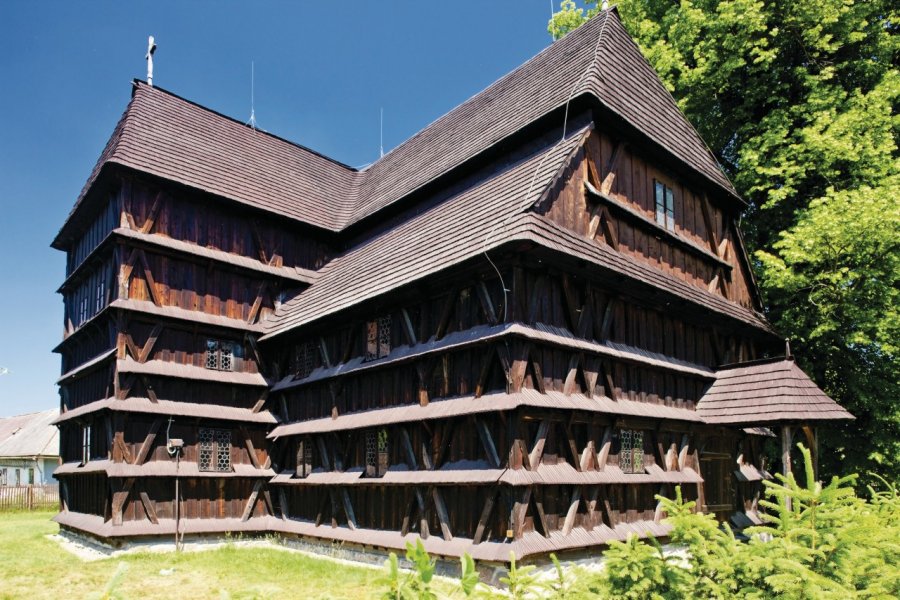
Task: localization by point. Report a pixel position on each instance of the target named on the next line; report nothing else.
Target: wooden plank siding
(631, 182)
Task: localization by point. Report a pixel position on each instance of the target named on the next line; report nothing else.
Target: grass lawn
(32, 566)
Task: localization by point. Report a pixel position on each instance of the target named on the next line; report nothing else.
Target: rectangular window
(378, 338)
(665, 206)
(220, 355)
(30, 476)
(215, 450)
(85, 444)
(304, 458)
(101, 295)
(3, 476)
(631, 451)
(377, 459)
(305, 359)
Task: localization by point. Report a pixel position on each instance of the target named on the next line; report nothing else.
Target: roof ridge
(141, 84)
(495, 83)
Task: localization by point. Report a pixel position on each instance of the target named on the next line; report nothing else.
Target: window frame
(379, 334)
(631, 451)
(378, 459)
(305, 362)
(664, 202)
(220, 355)
(86, 435)
(218, 445)
(305, 458)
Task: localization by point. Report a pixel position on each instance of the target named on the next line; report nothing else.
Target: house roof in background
(29, 435)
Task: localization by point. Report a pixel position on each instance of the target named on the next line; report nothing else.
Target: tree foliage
(798, 100)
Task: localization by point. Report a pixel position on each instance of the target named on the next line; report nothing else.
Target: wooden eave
(190, 318)
(487, 333)
(643, 278)
(163, 368)
(197, 253)
(653, 227)
(489, 403)
(172, 408)
(544, 474)
(87, 366)
(531, 543)
(157, 468)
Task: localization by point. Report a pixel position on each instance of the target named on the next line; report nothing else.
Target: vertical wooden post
(786, 438)
(812, 442)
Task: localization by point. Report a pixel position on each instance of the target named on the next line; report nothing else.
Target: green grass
(32, 566)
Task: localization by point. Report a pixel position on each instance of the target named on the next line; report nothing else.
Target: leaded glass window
(305, 359)
(304, 458)
(215, 450)
(220, 355)
(631, 451)
(378, 338)
(377, 458)
(665, 205)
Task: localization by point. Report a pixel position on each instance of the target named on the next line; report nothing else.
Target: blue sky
(323, 72)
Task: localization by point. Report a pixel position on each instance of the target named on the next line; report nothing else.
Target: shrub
(819, 541)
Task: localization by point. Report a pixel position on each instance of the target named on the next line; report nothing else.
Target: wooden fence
(29, 497)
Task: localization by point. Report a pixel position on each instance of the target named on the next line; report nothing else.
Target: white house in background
(29, 448)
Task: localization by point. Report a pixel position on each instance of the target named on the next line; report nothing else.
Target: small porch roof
(766, 392)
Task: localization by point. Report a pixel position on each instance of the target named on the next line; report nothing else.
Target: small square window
(378, 338)
(665, 205)
(220, 355)
(377, 456)
(215, 450)
(631, 451)
(304, 458)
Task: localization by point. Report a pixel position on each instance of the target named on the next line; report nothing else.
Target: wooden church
(507, 334)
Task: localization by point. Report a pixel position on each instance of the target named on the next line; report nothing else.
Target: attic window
(631, 451)
(304, 458)
(378, 338)
(665, 205)
(219, 355)
(377, 458)
(215, 450)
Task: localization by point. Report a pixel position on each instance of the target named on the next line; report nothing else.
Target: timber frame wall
(534, 400)
(531, 388)
(158, 274)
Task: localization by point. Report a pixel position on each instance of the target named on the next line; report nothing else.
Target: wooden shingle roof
(178, 140)
(766, 391)
(469, 223)
(29, 436)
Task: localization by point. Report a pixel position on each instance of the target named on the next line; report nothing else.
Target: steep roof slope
(173, 138)
(29, 435)
(598, 58)
(764, 392)
(468, 223)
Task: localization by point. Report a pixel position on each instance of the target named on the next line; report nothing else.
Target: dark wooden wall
(630, 181)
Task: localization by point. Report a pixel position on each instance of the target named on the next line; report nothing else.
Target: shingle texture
(29, 435)
(469, 223)
(167, 136)
(766, 392)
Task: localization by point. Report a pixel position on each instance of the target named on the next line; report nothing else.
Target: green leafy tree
(798, 100)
